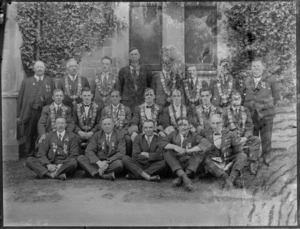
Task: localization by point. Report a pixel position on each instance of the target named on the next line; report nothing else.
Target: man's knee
(117, 166)
(126, 160)
(81, 159)
(30, 161)
(241, 157)
(73, 163)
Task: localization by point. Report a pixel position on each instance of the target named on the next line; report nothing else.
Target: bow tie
(86, 105)
(149, 106)
(217, 133)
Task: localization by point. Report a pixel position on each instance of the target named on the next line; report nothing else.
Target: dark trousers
(263, 128)
(240, 161)
(184, 162)
(31, 131)
(128, 145)
(136, 168)
(253, 145)
(92, 169)
(67, 167)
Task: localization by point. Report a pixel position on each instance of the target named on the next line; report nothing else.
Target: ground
(268, 199)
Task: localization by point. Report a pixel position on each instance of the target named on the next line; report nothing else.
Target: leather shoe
(109, 176)
(266, 159)
(177, 182)
(155, 178)
(188, 185)
(130, 176)
(62, 176)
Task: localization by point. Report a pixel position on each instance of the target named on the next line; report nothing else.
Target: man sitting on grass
(184, 153)
(147, 157)
(103, 155)
(57, 154)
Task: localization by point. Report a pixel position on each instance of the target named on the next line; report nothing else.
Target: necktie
(134, 76)
(58, 111)
(183, 145)
(148, 140)
(107, 139)
(217, 133)
(86, 105)
(105, 80)
(60, 137)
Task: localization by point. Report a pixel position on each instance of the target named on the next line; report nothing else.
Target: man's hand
(243, 140)
(161, 133)
(199, 129)
(103, 165)
(89, 134)
(179, 150)
(42, 138)
(82, 134)
(145, 154)
(51, 168)
(192, 128)
(133, 136)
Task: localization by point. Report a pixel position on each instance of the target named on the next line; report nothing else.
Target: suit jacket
(193, 90)
(90, 123)
(107, 111)
(137, 118)
(97, 148)
(100, 97)
(237, 119)
(140, 145)
(44, 124)
(230, 144)
(262, 99)
(74, 86)
(52, 150)
(161, 96)
(193, 139)
(28, 93)
(166, 118)
(131, 97)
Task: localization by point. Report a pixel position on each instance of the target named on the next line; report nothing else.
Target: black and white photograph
(149, 114)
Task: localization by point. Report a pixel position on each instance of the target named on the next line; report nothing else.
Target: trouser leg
(31, 131)
(128, 145)
(266, 128)
(68, 167)
(35, 165)
(133, 166)
(172, 161)
(156, 167)
(116, 167)
(194, 162)
(212, 168)
(253, 143)
(240, 162)
(84, 163)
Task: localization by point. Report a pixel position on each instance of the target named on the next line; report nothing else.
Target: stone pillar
(12, 75)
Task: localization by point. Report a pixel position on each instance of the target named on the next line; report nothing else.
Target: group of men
(148, 123)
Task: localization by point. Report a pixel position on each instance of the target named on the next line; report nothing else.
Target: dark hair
(149, 120)
(235, 92)
(256, 59)
(148, 89)
(57, 90)
(106, 117)
(133, 48)
(176, 89)
(182, 119)
(205, 89)
(107, 58)
(114, 90)
(87, 89)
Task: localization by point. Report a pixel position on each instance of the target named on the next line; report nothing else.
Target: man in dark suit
(225, 159)
(238, 118)
(146, 111)
(87, 118)
(57, 154)
(147, 157)
(35, 92)
(261, 95)
(184, 152)
(121, 116)
(72, 84)
(133, 79)
(104, 153)
(50, 113)
(104, 83)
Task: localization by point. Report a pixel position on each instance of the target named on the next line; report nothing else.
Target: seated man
(57, 154)
(87, 117)
(205, 111)
(173, 112)
(184, 152)
(225, 155)
(49, 114)
(147, 158)
(121, 116)
(103, 155)
(237, 117)
(147, 111)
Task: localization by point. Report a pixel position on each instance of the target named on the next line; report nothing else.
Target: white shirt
(148, 111)
(105, 75)
(181, 140)
(149, 139)
(108, 136)
(57, 106)
(73, 78)
(131, 70)
(166, 74)
(62, 134)
(86, 109)
(194, 81)
(177, 110)
(256, 81)
(115, 108)
(217, 140)
(206, 108)
(38, 78)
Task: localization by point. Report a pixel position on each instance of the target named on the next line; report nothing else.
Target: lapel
(177, 139)
(74, 84)
(112, 143)
(129, 76)
(209, 136)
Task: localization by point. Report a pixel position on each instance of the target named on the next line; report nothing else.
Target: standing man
(51, 112)
(57, 155)
(205, 111)
(223, 86)
(184, 152)
(104, 153)
(121, 116)
(237, 117)
(133, 80)
(104, 83)
(72, 84)
(261, 95)
(87, 118)
(192, 87)
(147, 157)
(225, 159)
(146, 111)
(165, 81)
(35, 92)
(174, 111)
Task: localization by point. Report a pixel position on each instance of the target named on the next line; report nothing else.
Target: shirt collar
(105, 74)
(38, 78)
(177, 107)
(166, 73)
(108, 135)
(206, 108)
(62, 133)
(57, 106)
(134, 67)
(149, 137)
(73, 78)
(257, 79)
(116, 107)
(86, 104)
